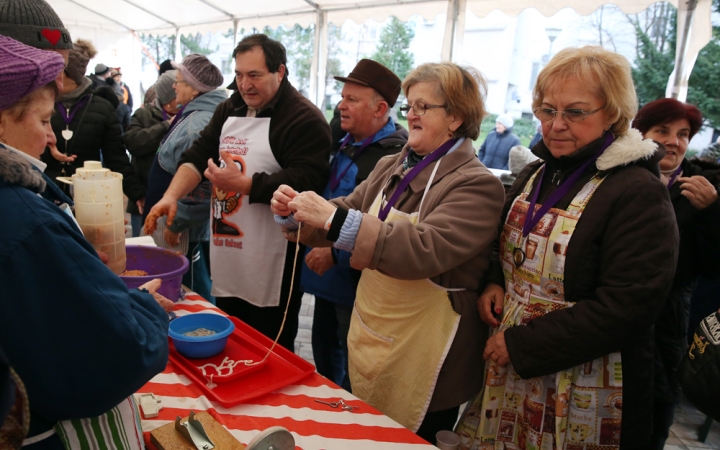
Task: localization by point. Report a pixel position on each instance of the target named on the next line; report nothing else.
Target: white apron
(247, 254)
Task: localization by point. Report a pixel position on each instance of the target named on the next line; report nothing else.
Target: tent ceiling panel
(482, 8)
(164, 16)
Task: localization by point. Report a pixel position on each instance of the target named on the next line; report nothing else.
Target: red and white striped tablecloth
(314, 425)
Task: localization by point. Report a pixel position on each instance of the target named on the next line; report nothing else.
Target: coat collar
(16, 170)
(449, 163)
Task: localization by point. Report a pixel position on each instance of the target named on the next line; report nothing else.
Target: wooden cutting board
(167, 437)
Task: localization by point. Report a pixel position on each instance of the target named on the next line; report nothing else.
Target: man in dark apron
(266, 134)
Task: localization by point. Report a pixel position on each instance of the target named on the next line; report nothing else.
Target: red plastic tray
(238, 348)
(281, 369)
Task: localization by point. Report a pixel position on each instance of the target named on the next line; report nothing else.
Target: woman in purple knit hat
(79, 340)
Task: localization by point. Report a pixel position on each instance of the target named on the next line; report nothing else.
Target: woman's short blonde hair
(462, 88)
(603, 71)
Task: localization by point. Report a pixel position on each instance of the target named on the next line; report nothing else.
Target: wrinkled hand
(140, 205)
(165, 207)
(281, 197)
(698, 190)
(319, 260)
(491, 300)
(496, 350)
(311, 209)
(229, 178)
(61, 156)
(171, 238)
(152, 286)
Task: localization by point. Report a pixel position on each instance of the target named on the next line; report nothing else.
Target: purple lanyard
(414, 172)
(334, 178)
(532, 219)
(674, 176)
(68, 117)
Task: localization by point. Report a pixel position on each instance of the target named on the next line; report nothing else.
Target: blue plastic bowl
(200, 346)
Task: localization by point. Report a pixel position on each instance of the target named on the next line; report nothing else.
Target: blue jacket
(495, 151)
(339, 283)
(193, 211)
(77, 337)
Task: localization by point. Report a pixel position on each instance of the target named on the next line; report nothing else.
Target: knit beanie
(164, 87)
(101, 69)
(199, 73)
(24, 69)
(165, 66)
(506, 120)
(520, 157)
(80, 56)
(34, 23)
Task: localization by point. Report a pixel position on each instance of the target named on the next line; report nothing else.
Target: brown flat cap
(373, 74)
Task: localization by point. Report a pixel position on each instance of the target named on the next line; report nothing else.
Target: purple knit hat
(24, 69)
(199, 73)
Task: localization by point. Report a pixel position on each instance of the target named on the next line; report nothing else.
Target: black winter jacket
(619, 267)
(699, 247)
(95, 128)
(142, 139)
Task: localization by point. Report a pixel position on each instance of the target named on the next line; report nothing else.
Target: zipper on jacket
(557, 177)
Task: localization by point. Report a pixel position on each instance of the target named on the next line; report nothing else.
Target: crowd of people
(557, 307)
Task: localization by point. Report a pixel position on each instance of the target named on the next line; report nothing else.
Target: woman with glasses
(420, 229)
(581, 270)
(692, 187)
(196, 94)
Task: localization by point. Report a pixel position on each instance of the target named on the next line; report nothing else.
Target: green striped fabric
(118, 428)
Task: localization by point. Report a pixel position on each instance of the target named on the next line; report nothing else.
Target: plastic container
(99, 211)
(200, 346)
(158, 263)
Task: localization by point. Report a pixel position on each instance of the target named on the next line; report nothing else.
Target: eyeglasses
(179, 82)
(572, 115)
(418, 108)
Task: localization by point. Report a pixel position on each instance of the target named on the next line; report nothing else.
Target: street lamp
(552, 33)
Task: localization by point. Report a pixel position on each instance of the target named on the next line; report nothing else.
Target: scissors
(337, 404)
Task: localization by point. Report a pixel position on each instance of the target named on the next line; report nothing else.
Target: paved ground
(683, 434)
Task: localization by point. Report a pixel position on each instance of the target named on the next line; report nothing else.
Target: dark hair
(18, 110)
(274, 51)
(664, 111)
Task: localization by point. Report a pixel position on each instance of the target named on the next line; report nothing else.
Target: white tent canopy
(190, 16)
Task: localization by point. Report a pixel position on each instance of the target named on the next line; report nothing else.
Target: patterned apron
(576, 409)
(400, 334)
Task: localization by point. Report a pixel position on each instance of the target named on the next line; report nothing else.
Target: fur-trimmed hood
(15, 170)
(627, 149)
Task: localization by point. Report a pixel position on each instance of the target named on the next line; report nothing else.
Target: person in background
(692, 186)
(148, 127)
(370, 91)
(127, 98)
(495, 151)
(102, 341)
(86, 124)
(165, 66)
(112, 94)
(421, 229)
(712, 153)
(101, 76)
(196, 82)
(584, 262)
(519, 158)
(266, 134)
(35, 23)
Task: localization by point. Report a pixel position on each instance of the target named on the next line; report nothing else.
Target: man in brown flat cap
(370, 91)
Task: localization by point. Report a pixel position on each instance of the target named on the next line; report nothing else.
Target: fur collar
(626, 149)
(15, 170)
